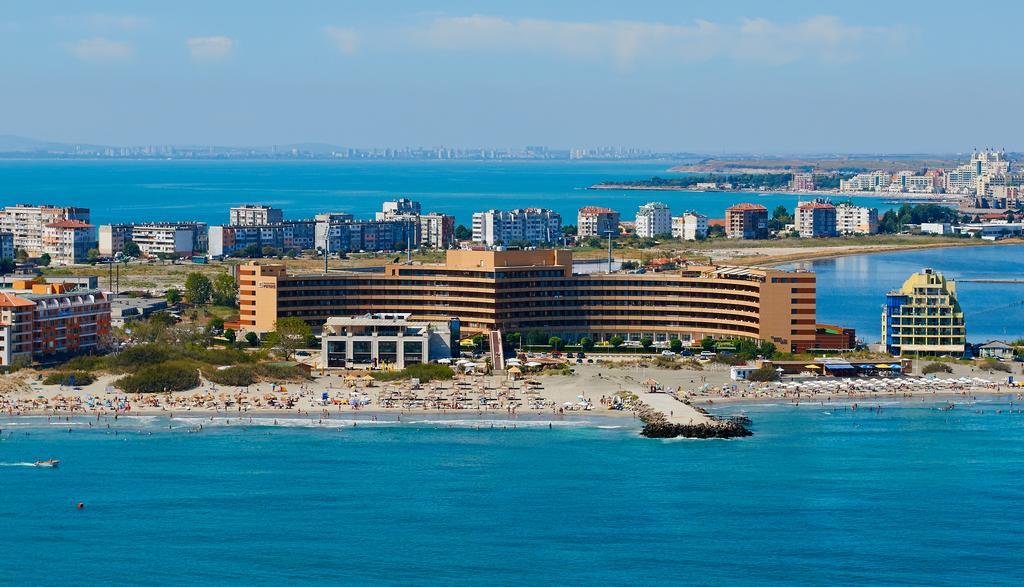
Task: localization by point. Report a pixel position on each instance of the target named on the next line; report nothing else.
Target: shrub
(936, 368)
(667, 363)
(763, 374)
(994, 365)
(84, 363)
(280, 371)
(238, 375)
(69, 378)
(139, 356)
(167, 376)
(422, 371)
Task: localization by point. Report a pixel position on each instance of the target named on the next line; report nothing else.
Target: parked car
(667, 353)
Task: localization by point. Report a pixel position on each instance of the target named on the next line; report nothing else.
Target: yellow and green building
(923, 317)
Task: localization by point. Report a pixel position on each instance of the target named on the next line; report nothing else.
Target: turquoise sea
(125, 191)
(820, 495)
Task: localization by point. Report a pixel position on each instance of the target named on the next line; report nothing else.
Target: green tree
(675, 345)
(513, 339)
(462, 233)
(44, 260)
(225, 290)
(555, 343)
(230, 335)
(616, 341)
(173, 296)
(478, 341)
(252, 338)
(20, 255)
(93, 255)
(132, 249)
(646, 343)
(587, 343)
(290, 334)
(215, 323)
(198, 288)
(707, 343)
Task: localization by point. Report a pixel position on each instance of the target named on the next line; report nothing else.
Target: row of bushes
(69, 378)
(166, 376)
(149, 354)
(243, 375)
(422, 371)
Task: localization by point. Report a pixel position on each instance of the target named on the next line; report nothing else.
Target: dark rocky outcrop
(663, 429)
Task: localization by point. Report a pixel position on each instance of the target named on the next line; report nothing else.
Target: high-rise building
(815, 219)
(746, 221)
(690, 226)
(653, 219)
(68, 241)
(6, 245)
(399, 207)
(532, 225)
(537, 290)
(596, 221)
(166, 238)
(852, 219)
(924, 317)
(431, 231)
(28, 223)
(803, 182)
(254, 215)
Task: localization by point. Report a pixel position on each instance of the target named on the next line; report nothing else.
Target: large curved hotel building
(518, 291)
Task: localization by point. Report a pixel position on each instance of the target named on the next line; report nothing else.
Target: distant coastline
(898, 197)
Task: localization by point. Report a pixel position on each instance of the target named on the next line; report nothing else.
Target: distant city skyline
(704, 77)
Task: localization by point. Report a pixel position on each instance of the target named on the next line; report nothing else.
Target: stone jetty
(664, 416)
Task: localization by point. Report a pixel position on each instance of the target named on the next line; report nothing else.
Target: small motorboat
(51, 463)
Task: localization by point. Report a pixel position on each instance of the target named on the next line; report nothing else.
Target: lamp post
(609, 233)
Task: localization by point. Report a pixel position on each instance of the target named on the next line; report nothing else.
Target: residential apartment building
(852, 219)
(372, 340)
(28, 223)
(399, 207)
(596, 221)
(874, 181)
(42, 320)
(255, 215)
(746, 221)
(923, 317)
(533, 225)
(536, 290)
(430, 231)
(168, 238)
(68, 241)
(690, 226)
(294, 235)
(6, 245)
(815, 219)
(803, 182)
(653, 219)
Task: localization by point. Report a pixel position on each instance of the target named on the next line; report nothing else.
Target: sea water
(136, 191)
(821, 494)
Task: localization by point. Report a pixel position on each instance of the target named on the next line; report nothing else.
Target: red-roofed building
(68, 241)
(816, 219)
(746, 221)
(596, 221)
(52, 320)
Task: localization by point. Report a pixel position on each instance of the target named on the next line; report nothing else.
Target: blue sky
(742, 76)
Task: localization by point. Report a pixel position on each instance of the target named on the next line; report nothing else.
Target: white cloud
(344, 39)
(101, 49)
(214, 48)
(122, 22)
(821, 38)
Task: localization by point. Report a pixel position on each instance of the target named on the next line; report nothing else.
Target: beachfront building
(68, 241)
(690, 226)
(803, 182)
(166, 238)
(537, 290)
(874, 181)
(375, 340)
(49, 320)
(746, 221)
(529, 225)
(997, 349)
(6, 245)
(815, 219)
(653, 219)
(254, 215)
(852, 219)
(924, 317)
(596, 221)
(27, 224)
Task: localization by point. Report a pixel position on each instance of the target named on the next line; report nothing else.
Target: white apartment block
(653, 219)
(68, 241)
(431, 231)
(690, 226)
(535, 225)
(815, 219)
(852, 219)
(399, 207)
(255, 215)
(875, 181)
(28, 223)
(596, 221)
(171, 238)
